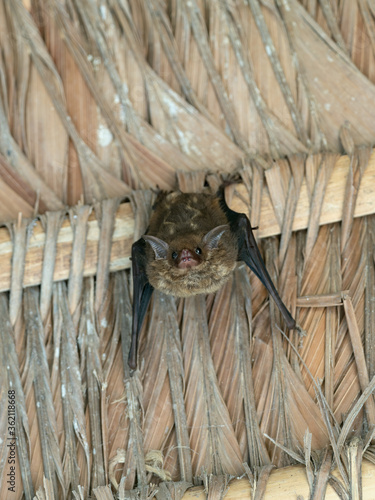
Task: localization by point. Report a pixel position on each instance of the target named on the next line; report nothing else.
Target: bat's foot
(301, 334)
(300, 330)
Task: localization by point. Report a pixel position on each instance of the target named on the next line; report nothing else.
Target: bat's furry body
(192, 246)
(182, 221)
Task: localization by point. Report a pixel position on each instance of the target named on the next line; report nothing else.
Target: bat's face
(193, 263)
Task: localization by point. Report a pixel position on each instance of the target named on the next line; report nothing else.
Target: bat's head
(192, 263)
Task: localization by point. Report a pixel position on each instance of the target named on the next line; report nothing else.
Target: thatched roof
(101, 103)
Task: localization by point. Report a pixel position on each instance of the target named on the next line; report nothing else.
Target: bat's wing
(142, 291)
(248, 252)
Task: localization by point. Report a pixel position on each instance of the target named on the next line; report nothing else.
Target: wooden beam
(332, 204)
(287, 483)
(124, 227)
(120, 252)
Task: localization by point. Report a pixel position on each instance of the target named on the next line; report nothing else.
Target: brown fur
(182, 220)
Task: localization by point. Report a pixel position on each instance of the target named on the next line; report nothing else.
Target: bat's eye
(174, 255)
(198, 251)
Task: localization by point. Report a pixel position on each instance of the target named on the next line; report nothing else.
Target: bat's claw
(229, 181)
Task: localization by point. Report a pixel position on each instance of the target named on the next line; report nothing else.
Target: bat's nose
(186, 259)
(186, 255)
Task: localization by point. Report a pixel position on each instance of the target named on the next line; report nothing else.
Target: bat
(192, 245)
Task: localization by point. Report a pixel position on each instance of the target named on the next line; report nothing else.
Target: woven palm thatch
(103, 102)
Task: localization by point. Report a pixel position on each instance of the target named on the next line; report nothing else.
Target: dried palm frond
(104, 103)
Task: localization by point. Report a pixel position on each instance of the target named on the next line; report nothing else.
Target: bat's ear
(212, 238)
(159, 246)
